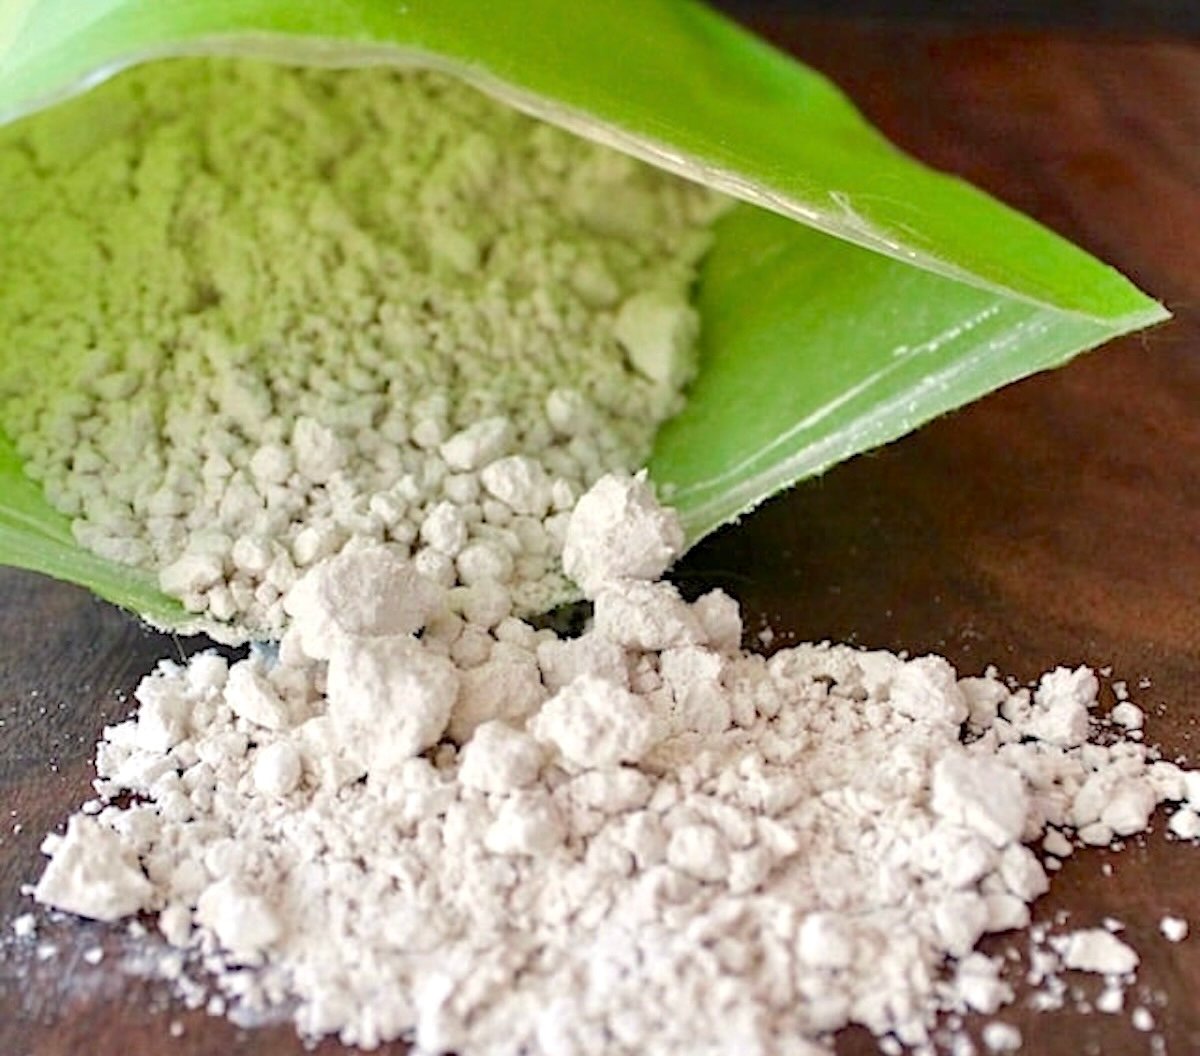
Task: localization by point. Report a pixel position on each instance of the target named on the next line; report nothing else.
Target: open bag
(852, 296)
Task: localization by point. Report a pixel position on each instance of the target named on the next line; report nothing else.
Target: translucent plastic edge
(333, 53)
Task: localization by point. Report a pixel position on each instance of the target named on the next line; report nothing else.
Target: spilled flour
(411, 821)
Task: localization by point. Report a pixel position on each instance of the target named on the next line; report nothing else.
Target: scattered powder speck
(1174, 929)
(1001, 1037)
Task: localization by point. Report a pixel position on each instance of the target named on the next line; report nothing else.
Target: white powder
(328, 308)
(617, 531)
(1128, 715)
(1174, 929)
(1185, 824)
(1001, 1037)
(596, 724)
(92, 873)
(1097, 950)
(984, 795)
(1142, 1019)
(1057, 844)
(643, 840)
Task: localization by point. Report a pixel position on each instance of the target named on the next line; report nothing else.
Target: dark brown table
(1058, 521)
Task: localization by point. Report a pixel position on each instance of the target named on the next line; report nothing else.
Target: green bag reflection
(855, 296)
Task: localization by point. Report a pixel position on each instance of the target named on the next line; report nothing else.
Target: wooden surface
(1058, 521)
(1140, 16)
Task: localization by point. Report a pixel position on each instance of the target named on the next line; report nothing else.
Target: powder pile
(413, 822)
(318, 307)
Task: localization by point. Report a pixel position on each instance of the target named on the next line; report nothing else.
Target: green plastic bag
(856, 295)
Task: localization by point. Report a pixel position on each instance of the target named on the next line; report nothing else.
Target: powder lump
(1174, 929)
(1001, 1037)
(326, 308)
(641, 819)
(1097, 950)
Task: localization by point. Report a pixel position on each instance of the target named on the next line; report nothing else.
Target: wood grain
(1058, 521)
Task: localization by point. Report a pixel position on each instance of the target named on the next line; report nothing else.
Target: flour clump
(91, 873)
(617, 531)
(1098, 950)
